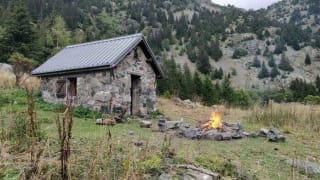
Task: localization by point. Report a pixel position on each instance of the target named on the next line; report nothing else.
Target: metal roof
(95, 55)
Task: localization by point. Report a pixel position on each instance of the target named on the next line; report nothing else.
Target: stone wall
(110, 90)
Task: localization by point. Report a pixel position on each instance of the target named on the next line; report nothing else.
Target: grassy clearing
(97, 154)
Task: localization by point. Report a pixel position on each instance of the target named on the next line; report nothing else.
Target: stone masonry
(110, 90)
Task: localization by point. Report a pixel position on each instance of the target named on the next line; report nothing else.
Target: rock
(254, 135)
(145, 124)
(308, 167)
(102, 96)
(99, 121)
(7, 68)
(274, 135)
(138, 143)
(190, 133)
(165, 176)
(130, 133)
(263, 132)
(165, 125)
(191, 174)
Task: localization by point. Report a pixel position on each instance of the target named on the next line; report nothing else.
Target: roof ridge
(104, 40)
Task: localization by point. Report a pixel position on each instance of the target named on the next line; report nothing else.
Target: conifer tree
(264, 72)
(197, 84)
(226, 90)
(271, 61)
(285, 64)
(202, 63)
(208, 96)
(307, 60)
(187, 86)
(20, 35)
(256, 62)
(274, 72)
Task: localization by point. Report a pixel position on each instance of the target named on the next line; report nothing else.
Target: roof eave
(73, 71)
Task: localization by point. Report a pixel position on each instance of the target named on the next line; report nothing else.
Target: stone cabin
(108, 75)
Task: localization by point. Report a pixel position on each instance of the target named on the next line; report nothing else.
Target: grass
(251, 158)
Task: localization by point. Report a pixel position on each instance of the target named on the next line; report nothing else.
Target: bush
(242, 99)
(83, 112)
(238, 53)
(313, 100)
(156, 113)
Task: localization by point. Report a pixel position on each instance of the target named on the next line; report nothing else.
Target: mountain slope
(205, 36)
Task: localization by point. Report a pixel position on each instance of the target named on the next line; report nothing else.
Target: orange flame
(216, 120)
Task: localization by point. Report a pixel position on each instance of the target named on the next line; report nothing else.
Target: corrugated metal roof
(92, 55)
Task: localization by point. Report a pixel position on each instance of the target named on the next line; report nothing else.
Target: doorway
(135, 94)
(72, 88)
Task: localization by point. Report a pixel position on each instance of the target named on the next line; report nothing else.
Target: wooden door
(72, 89)
(135, 94)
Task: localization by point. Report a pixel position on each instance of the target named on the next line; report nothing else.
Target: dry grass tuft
(29, 83)
(294, 116)
(290, 115)
(7, 80)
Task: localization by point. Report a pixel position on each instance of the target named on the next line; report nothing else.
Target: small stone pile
(272, 135)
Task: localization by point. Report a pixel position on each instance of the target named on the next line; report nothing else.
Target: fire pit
(214, 129)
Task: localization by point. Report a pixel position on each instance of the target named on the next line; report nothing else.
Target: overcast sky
(246, 4)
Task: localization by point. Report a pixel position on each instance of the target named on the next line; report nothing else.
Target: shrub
(242, 99)
(7, 80)
(156, 113)
(83, 112)
(312, 99)
(238, 53)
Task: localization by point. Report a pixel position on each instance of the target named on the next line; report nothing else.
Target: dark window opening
(61, 89)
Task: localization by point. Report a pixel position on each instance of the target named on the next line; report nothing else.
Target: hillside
(206, 37)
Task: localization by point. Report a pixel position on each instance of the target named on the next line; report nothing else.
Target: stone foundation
(110, 90)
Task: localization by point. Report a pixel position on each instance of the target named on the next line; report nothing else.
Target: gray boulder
(308, 167)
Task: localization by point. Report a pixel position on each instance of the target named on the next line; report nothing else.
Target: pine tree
(264, 73)
(226, 90)
(274, 72)
(215, 51)
(256, 62)
(187, 90)
(202, 63)
(197, 84)
(280, 46)
(208, 96)
(20, 35)
(285, 64)
(217, 73)
(271, 61)
(307, 60)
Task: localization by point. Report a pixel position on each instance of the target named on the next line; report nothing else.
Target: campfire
(214, 129)
(214, 123)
